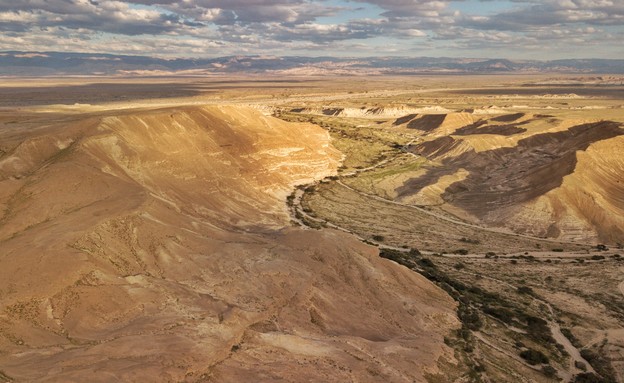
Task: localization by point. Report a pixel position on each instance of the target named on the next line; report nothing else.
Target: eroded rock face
(154, 246)
(564, 183)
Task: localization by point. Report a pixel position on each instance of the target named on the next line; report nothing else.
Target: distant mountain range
(60, 63)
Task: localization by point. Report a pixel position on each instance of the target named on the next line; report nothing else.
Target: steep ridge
(153, 245)
(397, 111)
(589, 204)
(563, 184)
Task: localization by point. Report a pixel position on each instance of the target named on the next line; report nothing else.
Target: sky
(514, 29)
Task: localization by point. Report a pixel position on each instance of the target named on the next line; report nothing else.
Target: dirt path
(480, 336)
(575, 355)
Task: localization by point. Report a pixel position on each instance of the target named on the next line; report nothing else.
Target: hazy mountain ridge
(15, 63)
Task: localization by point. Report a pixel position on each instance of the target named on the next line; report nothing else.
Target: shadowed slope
(502, 182)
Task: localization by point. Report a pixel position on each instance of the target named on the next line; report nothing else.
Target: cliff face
(153, 245)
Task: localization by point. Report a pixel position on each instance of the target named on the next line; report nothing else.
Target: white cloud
(221, 27)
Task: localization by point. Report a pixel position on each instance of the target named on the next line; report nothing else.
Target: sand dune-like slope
(153, 246)
(539, 176)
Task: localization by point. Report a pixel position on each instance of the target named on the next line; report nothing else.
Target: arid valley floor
(348, 229)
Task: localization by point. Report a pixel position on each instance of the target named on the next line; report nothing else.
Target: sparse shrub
(426, 262)
(469, 317)
(478, 368)
(558, 250)
(500, 313)
(514, 262)
(588, 377)
(549, 371)
(461, 252)
(600, 364)
(538, 329)
(397, 256)
(459, 266)
(602, 248)
(580, 365)
(534, 357)
(525, 290)
(597, 257)
(568, 334)
(470, 240)
(464, 333)
(378, 238)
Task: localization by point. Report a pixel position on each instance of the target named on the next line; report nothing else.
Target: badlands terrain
(383, 229)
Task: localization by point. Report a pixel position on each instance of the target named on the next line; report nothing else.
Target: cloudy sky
(537, 29)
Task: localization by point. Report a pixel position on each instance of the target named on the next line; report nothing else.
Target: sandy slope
(151, 246)
(534, 174)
